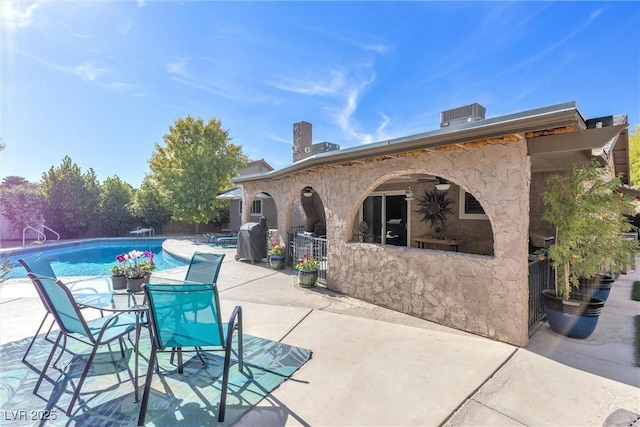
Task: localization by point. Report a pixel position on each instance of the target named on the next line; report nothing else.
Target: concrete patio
(375, 367)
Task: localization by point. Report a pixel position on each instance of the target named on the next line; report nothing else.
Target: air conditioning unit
(466, 114)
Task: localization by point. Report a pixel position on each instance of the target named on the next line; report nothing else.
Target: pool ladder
(41, 236)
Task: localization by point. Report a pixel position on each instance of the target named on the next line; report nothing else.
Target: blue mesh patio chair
(39, 266)
(188, 315)
(95, 333)
(204, 267)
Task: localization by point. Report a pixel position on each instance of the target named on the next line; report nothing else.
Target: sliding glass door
(387, 217)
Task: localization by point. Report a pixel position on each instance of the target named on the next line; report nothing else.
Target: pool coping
(75, 242)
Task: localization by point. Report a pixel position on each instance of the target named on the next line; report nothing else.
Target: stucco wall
(485, 295)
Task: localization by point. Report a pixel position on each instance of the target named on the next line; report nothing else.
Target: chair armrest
(95, 285)
(236, 318)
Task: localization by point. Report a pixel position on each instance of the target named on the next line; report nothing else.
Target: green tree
(115, 206)
(634, 157)
(588, 215)
(13, 181)
(71, 198)
(150, 205)
(22, 203)
(197, 162)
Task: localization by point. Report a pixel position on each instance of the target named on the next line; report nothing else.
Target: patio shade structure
(236, 194)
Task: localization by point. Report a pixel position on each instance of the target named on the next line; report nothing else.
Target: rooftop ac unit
(466, 114)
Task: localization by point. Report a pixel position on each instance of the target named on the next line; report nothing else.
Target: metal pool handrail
(39, 233)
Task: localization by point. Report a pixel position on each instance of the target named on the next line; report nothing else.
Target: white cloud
(16, 15)
(314, 85)
(87, 71)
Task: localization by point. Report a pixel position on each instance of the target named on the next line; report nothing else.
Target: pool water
(94, 258)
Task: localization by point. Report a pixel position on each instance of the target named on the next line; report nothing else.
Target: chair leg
(85, 371)
(240, 343)
(199, 353)
(46, 336)
(35, 336)
(46, 365)
(225, 383)
(147, 384)
(64, 346)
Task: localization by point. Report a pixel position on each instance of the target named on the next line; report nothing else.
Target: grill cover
(252, 241)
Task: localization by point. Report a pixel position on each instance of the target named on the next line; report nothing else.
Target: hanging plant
(434, 207)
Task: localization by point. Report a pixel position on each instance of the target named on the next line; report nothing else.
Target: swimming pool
(93, 257)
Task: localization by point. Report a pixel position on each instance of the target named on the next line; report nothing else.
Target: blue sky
(103, 81)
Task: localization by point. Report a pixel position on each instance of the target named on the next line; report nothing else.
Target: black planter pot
(601, 289)
(572, 318)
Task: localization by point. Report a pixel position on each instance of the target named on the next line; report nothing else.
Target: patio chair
(39, 266)
(188, 315)
(204, 267)
(103, 330)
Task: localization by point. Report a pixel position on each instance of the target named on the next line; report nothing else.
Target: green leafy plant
(276, 250)
(307, 263)
(5, 268)
(120, 269)
(588, 214)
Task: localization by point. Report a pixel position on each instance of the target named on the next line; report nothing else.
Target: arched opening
(426, 212)
(307, 235)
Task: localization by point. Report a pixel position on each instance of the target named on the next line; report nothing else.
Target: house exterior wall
(269, 211)
(482, 294)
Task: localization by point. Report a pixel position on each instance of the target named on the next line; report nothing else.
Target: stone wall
(482, 294)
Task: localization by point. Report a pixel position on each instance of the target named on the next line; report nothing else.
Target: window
(256, 207)
(470, 208)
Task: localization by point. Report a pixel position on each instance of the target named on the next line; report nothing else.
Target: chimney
(466, 114)
(301, 141)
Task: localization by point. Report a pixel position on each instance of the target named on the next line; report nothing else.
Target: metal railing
(540, 278)
(41, 237)
(301, 243)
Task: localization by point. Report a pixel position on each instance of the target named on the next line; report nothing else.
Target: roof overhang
(551, 153)
(542, 123)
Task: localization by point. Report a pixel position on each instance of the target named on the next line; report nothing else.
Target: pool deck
(376, 367)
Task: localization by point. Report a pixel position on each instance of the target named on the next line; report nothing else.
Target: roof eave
(543, 118)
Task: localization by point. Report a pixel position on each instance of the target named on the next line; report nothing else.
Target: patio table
(98, 293)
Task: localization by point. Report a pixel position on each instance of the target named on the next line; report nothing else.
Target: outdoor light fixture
(307, 192)
(442, 184)
(408, 195)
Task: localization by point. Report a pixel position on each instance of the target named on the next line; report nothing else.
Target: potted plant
(118, 273)
(147, 265)
(139, 266)
(587, 213)
(307, 267)
(276, 256)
